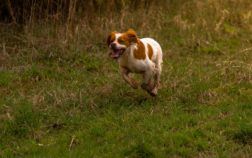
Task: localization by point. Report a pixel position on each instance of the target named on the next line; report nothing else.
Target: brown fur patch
(123, 39)
(139, 53)
(128, 37)
(132, 36)
(150, 51)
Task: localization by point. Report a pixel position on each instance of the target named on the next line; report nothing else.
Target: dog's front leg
(130, 81)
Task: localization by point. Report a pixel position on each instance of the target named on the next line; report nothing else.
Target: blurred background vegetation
(21, 11)
(198, 26)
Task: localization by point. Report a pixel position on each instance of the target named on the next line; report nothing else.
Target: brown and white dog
(137, 55)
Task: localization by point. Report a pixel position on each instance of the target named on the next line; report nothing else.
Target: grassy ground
(61, 95)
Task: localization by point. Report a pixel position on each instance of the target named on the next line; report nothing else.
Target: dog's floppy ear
(111, 37)
(132, 36)
(108, 40)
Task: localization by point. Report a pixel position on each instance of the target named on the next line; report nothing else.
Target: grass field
(62, 96)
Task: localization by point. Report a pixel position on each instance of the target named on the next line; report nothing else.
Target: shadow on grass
(243, 135)
(139, 151)
(126, 98)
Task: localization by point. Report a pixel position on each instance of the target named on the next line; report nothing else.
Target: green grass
(63, 98)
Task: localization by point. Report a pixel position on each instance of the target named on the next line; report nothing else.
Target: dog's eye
(121, 41)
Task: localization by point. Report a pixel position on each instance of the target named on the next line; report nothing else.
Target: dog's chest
(132, 64)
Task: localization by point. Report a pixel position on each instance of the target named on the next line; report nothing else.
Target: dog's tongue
(115, 54)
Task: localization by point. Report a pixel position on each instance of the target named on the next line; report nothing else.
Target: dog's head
(119, 42)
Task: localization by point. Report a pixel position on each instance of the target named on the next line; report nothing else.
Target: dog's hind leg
(157, 75)
(158, 70)
(147, 81)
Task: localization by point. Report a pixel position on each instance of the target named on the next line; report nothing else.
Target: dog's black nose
(113, 45)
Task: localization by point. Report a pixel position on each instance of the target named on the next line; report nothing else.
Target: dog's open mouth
(116, 53)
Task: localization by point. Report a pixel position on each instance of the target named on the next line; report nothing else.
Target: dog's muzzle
(116, 52)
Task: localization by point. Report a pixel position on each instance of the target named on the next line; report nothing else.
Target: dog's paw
(154, 92)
